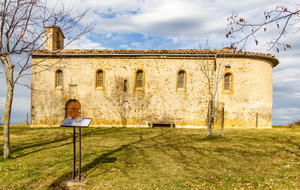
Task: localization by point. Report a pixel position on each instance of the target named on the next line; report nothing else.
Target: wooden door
(73, 109)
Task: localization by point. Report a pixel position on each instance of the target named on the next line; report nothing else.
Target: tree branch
(279, 14)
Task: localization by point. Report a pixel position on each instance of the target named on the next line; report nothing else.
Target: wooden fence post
(27, 120)
(256, 120)
(223, 122)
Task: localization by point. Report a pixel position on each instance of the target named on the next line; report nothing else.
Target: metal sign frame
(80, 123)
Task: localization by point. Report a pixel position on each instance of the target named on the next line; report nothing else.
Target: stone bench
(162, 124)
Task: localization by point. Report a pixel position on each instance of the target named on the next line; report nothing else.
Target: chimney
(54, 38)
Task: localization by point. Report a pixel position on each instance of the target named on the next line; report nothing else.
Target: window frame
(97, 79)
(230, 83)
(184, 88)
(59, 79)
(137, 88)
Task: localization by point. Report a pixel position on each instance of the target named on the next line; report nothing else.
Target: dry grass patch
(137, 158)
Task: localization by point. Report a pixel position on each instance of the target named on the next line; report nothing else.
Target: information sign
(76, 122)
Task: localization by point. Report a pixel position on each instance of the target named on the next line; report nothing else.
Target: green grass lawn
(159, 158)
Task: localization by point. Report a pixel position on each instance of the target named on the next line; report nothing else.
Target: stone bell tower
(54, 38)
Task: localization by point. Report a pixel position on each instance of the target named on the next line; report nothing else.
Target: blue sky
(180, 24)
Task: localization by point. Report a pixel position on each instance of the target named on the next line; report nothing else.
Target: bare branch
(21, 31)
(279, 15)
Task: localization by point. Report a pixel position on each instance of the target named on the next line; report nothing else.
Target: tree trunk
(9, 70)
(210, 119)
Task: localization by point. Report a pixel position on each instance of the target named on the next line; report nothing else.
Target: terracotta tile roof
(195, 52)
(147, 51)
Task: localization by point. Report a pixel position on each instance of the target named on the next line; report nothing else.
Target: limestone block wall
(159, 101)
(54, 38)
(253, 93)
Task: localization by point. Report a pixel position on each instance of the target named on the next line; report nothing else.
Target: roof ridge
(149, 51)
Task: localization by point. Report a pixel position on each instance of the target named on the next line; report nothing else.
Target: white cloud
(135, 43)
(21, 104)
(124, 46)
(109, 35)
(85, 43)
(2, 101)
(285, 115)
(193, 16)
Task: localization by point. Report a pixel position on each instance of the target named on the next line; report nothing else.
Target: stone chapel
(147, 88)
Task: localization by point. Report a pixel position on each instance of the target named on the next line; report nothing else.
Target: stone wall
(253, 93)
(159, 101)
(54, 38)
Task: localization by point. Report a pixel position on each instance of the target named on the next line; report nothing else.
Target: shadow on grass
(213, 137)
(103, 159)
(46, 144)
(289, 143)
(15, 148)
(35, 151)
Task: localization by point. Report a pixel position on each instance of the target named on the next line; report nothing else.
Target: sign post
(80, 123)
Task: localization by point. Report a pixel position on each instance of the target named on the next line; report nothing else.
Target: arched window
(139, 79)
(227, 82)
(181, 79)
(59, 78)
(100, 79)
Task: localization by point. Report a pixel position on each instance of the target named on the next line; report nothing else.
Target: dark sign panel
(76, 122)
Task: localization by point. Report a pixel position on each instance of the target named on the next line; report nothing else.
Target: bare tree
(21, 32)
(213, 70)
(281, 18)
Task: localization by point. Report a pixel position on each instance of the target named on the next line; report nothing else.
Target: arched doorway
(73, 109)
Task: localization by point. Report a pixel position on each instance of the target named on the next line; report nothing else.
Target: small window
(59, 78)
(227, 82)
(181, 79)
(125, 85)
(139, 82)
(100, 79)
(139, 79)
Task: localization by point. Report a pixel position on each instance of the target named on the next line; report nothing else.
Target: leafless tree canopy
(280, 18)
(22, 30)
(23, 22)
